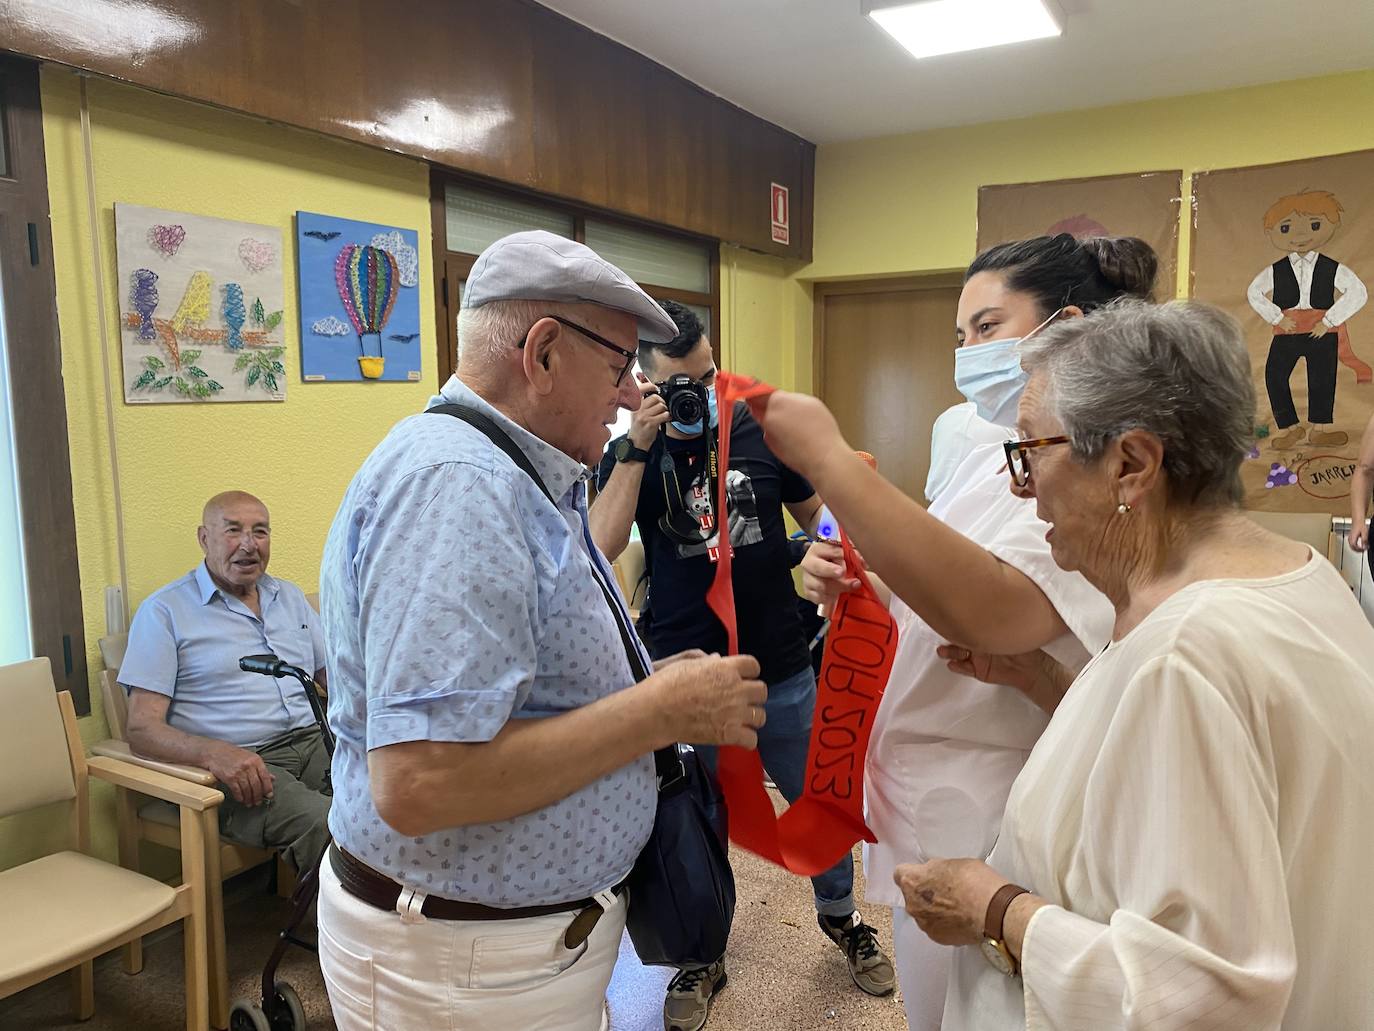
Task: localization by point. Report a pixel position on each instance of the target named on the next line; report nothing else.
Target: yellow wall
(896, 205)
(904, 204)
(298, 455)
(766, 319)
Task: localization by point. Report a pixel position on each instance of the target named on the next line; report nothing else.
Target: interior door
(886, 368)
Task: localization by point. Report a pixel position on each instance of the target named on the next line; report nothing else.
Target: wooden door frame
(838, 288)
(37, 395)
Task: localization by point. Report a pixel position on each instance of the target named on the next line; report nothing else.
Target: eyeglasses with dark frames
(1018, 457)
(629, 356)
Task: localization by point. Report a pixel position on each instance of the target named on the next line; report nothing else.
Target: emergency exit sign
(780, 214)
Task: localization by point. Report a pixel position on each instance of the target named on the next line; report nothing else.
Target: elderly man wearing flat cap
(493, 781)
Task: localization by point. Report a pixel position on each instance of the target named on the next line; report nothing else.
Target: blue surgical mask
(990, 375)
(692, 429)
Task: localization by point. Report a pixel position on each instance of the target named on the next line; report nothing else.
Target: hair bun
(1127, 263)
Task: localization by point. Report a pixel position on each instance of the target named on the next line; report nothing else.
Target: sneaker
(689, 997)
(871, 970)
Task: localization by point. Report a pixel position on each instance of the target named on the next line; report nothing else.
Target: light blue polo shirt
(186, 641)
(455, 597)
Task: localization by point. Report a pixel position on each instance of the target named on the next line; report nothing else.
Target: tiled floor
(784, 974)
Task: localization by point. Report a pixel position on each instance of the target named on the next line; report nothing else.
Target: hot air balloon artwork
(368, 282)
(358, 280)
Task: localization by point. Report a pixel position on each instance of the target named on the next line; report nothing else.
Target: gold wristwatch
(994, 946)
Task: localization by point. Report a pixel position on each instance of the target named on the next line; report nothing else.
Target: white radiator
(1354, 565)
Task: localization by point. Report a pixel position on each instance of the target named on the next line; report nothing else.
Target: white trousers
(461, 975)
(922, 970)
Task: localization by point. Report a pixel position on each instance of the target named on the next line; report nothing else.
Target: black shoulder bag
(682, 890)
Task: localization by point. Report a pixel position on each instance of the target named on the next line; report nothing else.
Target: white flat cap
(542, 266)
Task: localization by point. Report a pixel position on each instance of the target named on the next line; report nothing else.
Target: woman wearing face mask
(975, 570)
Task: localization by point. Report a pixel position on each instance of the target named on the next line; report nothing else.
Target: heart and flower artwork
(201, 307)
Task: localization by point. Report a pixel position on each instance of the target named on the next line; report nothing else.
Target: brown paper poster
(1288, 250)
(1144, 204)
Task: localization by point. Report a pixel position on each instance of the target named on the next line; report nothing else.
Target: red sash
(825, 822)
(1307, 319)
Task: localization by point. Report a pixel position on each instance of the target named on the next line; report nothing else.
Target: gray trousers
(294, 821)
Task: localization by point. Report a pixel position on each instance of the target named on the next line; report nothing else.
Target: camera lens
(685, 408)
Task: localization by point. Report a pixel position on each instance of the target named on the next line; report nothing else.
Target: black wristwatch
(625, 451)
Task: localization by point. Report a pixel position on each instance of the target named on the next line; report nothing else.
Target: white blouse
(1200, 814)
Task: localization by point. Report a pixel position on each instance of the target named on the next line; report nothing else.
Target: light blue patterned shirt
(455, 598)
(186, 640)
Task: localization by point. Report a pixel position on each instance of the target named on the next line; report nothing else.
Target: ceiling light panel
(931, 27)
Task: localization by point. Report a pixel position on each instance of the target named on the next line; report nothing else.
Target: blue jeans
(783, 742)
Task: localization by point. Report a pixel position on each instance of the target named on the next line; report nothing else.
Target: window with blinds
(669, 266)
(475, 219)
(650, 257)
(704, 314)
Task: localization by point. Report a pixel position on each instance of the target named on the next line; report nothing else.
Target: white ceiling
(822, 70)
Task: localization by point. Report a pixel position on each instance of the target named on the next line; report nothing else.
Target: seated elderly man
(190, 703)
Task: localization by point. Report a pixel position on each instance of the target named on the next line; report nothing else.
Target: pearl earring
(1123, 509)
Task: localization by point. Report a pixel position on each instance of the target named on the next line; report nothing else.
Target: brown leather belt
(379, 890)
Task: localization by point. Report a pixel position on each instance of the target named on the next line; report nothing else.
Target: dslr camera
(685, 397)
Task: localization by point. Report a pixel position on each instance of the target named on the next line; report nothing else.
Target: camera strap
(679, 524)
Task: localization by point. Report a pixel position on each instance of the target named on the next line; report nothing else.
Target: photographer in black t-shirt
(658, 477)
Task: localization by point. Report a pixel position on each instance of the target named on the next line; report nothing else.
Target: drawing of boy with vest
(1308, 317)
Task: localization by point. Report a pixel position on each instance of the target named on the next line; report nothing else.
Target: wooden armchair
(63, 910)
(148, 819)
(112, 649)
(629, 573)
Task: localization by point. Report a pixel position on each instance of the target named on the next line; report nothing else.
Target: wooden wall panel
(499, 88)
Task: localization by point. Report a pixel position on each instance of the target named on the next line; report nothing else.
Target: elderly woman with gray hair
(1188, 844)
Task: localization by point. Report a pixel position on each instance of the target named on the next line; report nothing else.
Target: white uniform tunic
(946, 748)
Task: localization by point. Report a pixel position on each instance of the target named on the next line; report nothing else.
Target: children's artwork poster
(360, 300)
(1288, 250)
(200, 306)
(1144, 205)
